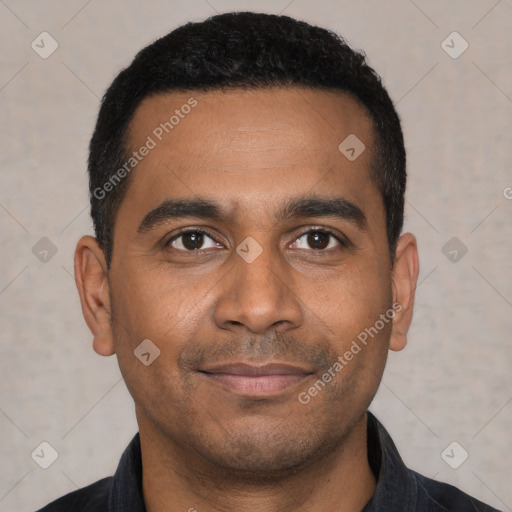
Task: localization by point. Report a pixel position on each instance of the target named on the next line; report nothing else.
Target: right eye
(192, 240)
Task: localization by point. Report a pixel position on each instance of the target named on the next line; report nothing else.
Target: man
(247, 179)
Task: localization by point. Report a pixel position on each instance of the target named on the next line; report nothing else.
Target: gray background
(452, 382)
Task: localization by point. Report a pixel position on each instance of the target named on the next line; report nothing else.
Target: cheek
(351, 301)
(151, 325)
(352, 311)
(149, 304)
(152, 302)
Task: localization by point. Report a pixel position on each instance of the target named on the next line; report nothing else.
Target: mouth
(256, 380)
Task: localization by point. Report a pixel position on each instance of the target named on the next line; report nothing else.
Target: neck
(175, 480)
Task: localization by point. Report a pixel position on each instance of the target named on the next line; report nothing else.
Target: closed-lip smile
(256, 379)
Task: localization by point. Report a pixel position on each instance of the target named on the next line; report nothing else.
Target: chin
(262, 454)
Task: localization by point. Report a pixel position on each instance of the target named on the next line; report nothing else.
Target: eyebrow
(305, 206)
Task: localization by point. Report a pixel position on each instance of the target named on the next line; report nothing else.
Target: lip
(256, 379)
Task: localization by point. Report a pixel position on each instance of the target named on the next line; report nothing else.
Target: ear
(93, 288)
(405, 278)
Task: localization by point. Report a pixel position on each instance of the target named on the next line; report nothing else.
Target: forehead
(296, 118)
(251, 146)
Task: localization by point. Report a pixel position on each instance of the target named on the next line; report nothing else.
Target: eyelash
(343, 243)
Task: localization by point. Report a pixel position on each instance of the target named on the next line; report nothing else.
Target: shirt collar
(395, 491)
(396, 486)
(126, 491)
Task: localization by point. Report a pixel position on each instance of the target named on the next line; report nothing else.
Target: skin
(204, 445)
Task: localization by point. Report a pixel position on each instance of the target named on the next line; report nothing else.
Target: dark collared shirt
(398, 489)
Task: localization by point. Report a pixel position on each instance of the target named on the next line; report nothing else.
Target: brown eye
(191, 241)
(317, 240)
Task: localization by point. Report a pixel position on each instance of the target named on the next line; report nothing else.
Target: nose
(258, 295)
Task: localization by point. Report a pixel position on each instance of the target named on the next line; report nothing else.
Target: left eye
(192, 240)
(316, 240)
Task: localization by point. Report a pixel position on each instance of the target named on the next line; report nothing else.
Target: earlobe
(405, 278)
(93, 288)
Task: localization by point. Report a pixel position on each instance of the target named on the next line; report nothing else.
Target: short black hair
(245, 50)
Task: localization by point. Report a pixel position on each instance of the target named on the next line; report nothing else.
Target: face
(253, 254)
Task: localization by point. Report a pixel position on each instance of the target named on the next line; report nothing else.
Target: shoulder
(439, 496)
(93, 498)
